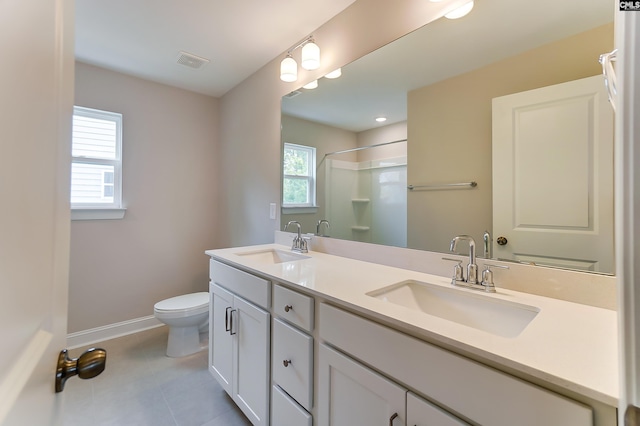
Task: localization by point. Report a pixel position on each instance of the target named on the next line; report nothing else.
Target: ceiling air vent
(191, 61)
(292, 94)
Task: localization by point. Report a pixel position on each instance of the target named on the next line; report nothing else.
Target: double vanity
(320, 339)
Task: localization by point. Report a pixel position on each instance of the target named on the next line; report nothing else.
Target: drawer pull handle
(392, 418)
(288, 308)
(286, 362)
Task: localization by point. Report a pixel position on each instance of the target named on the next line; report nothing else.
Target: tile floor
(142, 386)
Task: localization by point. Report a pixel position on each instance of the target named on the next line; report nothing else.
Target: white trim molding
(97, 214)
(111, 331)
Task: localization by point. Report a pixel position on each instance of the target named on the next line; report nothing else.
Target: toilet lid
(186, 301)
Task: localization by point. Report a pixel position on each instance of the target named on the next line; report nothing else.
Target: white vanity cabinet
(471, 390)
(352, 394)
(423, 413)
(239, 351)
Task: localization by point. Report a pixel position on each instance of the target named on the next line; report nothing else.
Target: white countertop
(569, 345)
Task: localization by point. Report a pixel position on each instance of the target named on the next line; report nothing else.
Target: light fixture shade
(311, 85)
(335, 73)
(460, 12)
(288, 70)
(310, 56)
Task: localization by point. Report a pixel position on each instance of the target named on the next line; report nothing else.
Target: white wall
(250, 113)
(120, 268)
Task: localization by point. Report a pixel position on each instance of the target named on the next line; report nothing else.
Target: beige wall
(250, 113)
(450, 134)
(120, 268)
(384, 134)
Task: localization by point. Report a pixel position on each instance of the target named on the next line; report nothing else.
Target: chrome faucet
(299, 243)
(472, 267)
(320, 222)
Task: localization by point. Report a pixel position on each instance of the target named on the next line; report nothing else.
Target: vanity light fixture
(288, 69)
(460, 12)
(310, 60)
(335, 73)
(311, 85)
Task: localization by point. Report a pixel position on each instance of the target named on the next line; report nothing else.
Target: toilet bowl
(186, 316)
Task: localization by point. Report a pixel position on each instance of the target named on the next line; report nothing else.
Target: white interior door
(553, 176)
(36, 87)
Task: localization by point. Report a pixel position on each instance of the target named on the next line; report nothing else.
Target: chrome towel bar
(443, 186)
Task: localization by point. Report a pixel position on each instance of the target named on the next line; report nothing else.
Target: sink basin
(479, 311)
(272, 256)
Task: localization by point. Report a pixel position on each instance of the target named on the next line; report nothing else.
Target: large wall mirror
(496, 124)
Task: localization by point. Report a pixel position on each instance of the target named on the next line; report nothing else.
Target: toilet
(187, 316)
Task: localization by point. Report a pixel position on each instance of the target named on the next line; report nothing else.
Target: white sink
(476, 310)
(272, 256)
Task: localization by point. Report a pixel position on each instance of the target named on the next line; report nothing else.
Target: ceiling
(144, 38)
(377, 84)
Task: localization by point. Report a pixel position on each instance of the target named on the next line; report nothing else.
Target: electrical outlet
(272, 210)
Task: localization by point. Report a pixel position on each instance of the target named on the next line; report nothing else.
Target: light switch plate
(272, 210)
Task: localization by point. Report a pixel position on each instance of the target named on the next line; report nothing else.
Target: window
(299, 180)
(96, 164)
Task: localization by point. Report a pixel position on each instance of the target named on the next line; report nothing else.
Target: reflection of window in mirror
(299, 180)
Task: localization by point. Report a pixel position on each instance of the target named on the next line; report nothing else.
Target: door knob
(502, 241)
(87, 366)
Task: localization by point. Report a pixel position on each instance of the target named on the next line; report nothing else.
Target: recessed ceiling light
(381, 119)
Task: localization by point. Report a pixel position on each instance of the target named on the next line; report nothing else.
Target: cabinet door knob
(392, 418)
(502, 241)
(286, 362)
(287, 308)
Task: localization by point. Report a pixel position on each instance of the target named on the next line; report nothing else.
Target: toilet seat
(183, 306)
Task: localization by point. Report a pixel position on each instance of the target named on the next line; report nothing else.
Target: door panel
(353, 395)
(252, 349)
(36, 82)
(553, 175)
(221, 355)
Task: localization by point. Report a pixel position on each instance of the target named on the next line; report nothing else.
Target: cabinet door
(353, 395)
(251, 354)
(221, 340)
(423, 413)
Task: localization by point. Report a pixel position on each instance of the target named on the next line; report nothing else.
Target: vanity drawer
(292, 362)
(294, 307)
(249, 287)
(286, 412)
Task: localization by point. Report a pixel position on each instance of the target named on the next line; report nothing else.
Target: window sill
(97, 214)
(299, 210)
